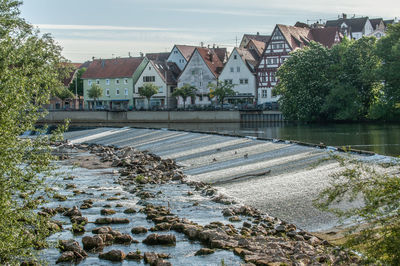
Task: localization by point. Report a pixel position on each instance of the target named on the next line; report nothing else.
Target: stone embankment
(256, 237)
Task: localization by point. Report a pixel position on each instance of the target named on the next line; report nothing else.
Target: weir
(279, 177)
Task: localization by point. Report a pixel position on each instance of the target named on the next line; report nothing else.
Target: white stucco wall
(159, 82)
(197, 73)
(236, 76)
(176, 57)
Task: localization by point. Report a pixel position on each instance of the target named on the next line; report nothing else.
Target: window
(244, 81)
(181, 61)
(235, 57)
(107, 82)
(126, 91)
(149, 78)
(117, 92)
(228, 81)
(269, 61)
(97, 81)
(200, 98)
(160, 89)
(149, 67)
(175, 52)
(272, 77)
(238, 69)
(193, 72)
(126, 81)
(171, 90)
(232, 69)
(107, 92)
(117, 81)
(264, 93)
(89, 82)
(274, 61)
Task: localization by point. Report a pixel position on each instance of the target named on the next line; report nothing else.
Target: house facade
(353, 28)
(117, 78)
(164, 76)
(240, 70)
(180, 55)
(285, 39)
(203, 68)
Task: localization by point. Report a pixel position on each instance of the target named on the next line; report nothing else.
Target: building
(353, 28)
(117, 78)
(162, 74)
(240, 70)
(180, 55)
(202, 68)
(257, 37)
(285, 39)
(256, 46)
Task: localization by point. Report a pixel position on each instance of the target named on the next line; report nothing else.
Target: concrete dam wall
(280, 178)
(106, 117)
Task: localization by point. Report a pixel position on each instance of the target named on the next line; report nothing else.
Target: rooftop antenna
(236, 40)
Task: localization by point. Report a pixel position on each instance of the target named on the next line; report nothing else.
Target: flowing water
(280, 178)
(99, 184)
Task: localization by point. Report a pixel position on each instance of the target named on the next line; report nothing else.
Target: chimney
(141, 54)
(129, 54)
(202, 44)
(208, 46)
(93, 58)
(344, 16)
(214, 46)
(258, 33)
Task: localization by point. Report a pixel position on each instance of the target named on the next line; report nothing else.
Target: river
(379, 138)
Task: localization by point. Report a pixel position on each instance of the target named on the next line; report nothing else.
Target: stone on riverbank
(113, 255)
(156, 239)
(93, 242)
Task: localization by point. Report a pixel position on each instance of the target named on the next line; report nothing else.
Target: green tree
(388, 49)
(148, 90)
(353, 82)
(79, 87)
(64, 93)
(377, 218)
(27, 78)
(95, 92)
(221, 90)
(304, 83)
(185, 92)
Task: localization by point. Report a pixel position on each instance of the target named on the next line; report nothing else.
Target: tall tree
(95, 92)
(27, 77)
(304, 83)
(388, 49)
(148, 90)
(221, 90)
(185, 92)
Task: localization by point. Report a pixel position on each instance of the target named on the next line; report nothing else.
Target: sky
(110, 28)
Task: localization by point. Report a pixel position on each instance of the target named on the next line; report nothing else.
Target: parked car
(101, 108)
(265, 106)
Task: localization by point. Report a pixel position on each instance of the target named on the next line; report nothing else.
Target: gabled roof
(258, 37)
(258, 45)
(325, 36)
(356, 24)
(186, 50)
(297, 37)
(157, 56)
(375, 22)
(388, 21)
(168, 71)
(211, 59)
(112, 68)
(250, 57)
(221, 53)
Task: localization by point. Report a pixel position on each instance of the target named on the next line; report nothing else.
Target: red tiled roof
(186, 50)
(212, 60)
(221, 53)
(258, 37)
(356, 24)
(297, 37)
(325, 36)
(112, 68)
(250, 57)
(169, 69)
(260, 46)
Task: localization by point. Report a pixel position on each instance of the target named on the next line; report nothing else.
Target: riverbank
(184, 218)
